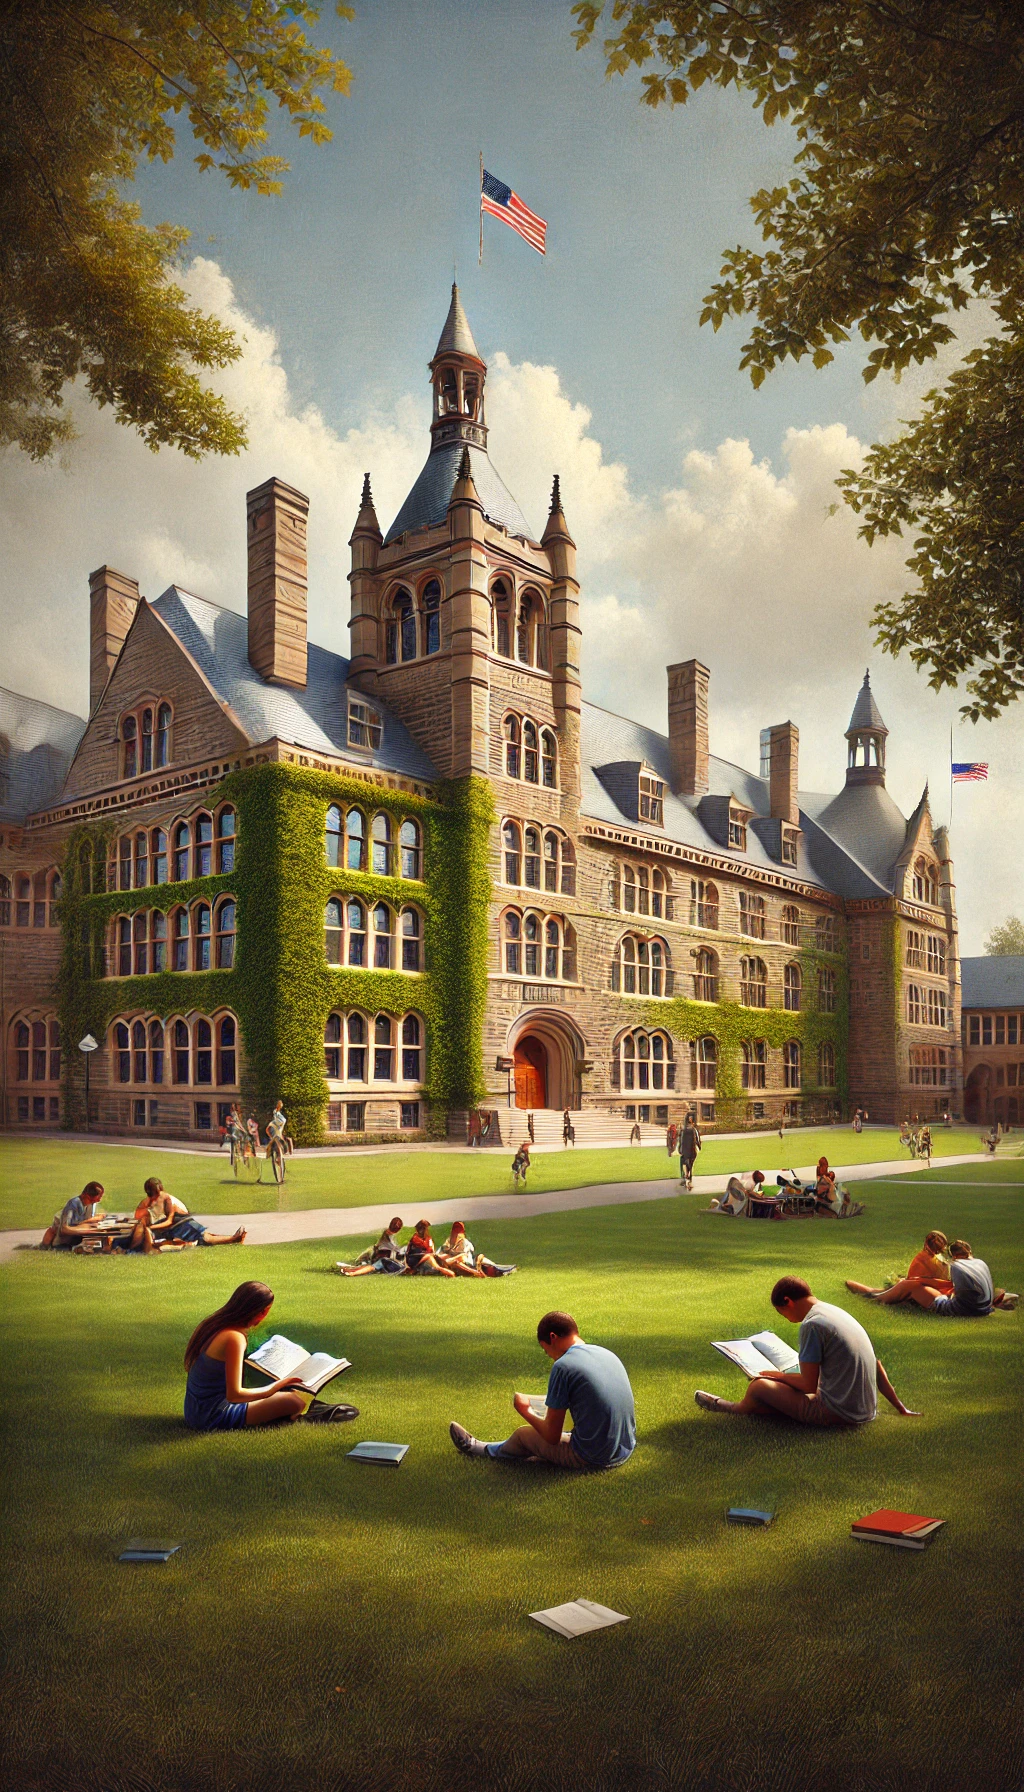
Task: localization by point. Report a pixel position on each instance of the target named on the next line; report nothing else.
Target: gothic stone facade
(665, 930)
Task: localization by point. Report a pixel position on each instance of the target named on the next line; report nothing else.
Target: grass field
(327, 1626)
(37, 1175)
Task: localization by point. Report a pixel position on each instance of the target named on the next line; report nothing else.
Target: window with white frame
(640, 967)
(538, 947)
(826, 989)
(915, 949)
(926, 882)
(929, 1065)
(145, 739)
(200, 1050)
(753, 1063)
(936, 1008)
(752, 915)
(936, 955)
(916, 1005)
(703, 1062)
(791, 925)
(382, 1049)
(703, 904)
(826, 933)
(753, 983)
(791, 987)
(365, 725)
(652, 798)
(791, 1064)
(705, 976)
(644, 1060)
(827, 1064)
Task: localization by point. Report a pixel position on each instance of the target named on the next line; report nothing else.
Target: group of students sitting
(944, 1278)
(160, 1223)
(422, 1257)
(748, 1195)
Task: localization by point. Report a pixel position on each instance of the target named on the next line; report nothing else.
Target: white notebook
(763, 1351)
(279, 1356)
(578, 1617)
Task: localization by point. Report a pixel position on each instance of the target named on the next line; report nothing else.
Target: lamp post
(87, 1046)
(508, 1065)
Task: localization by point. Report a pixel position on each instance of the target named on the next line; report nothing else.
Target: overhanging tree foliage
(905, 206)
(87, 89)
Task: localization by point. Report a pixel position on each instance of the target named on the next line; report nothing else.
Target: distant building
(278, 884)
(993, 1040)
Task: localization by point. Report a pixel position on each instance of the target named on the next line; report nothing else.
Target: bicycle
(244, 1160)
(275, 1152)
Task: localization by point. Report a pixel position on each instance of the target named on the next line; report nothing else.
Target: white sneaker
(465, 1442)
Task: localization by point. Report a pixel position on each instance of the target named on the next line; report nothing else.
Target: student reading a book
(421, 1254)
(460, 1254)
(77, 1220)
(738, 1191)
(839, 1377)
(170, 1222)
(386, 1258)
(928, 1268)
(215, 1399)
(586, 1381)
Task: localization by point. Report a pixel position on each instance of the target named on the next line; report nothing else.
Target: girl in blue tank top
(215, 1399)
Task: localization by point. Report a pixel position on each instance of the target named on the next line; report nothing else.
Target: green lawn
(334, 1628)
(38, 1175)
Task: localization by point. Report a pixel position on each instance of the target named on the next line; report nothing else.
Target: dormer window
(652, 799)
(364, 725)
(737, 830)
(789, 840)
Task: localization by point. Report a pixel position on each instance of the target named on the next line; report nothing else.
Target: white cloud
(747, 565)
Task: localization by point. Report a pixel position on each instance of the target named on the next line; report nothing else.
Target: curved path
(348, 1222)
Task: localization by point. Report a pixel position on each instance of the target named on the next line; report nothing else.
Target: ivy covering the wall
(459, 881)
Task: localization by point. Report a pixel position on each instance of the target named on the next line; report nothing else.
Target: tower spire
(867, 733)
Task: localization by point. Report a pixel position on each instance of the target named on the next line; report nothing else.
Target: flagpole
(480, 257)
(951, 784)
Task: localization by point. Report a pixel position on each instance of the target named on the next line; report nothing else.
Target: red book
(893, 1524)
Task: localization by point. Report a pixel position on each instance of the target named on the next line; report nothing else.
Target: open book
(763, 1351)
(578, 1617)
(278, 1356)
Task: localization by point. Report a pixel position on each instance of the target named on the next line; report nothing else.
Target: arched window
(356, 1049)
(332, 1047)
(333, 932)
(826, 933)
(512, 847)
(627, 955)
(141, 861)
(548, 760)
(141, 943)
(181, 852)
(226, 840)
(431, 616)
(791, 1064)
(400, 633)
(125, 878)
(23, 905)
(531, 858)
(381, 846)
(827, 1064)
(703, 904)
(629, 889)
(140, 1065)
(124, 947)
(355, 834)
(382, 931)
(203, 1052)
(181, 939)
(705, 977)
(158, 843)
(5, 900)
(641, 967)
(512, 738)
(332, 835)
(122, 1052)
(226, 935)
(531, 944)
(568, 952)
(826, 989)
(158, 941)
(156, 1051)
(204, 845)
(530, 752)
(791, 984)
(201, 937)
(181, 1052)
(411, 930)
(643, 890)
(524, 632)
(926, 882)
(383, 1049)
(936, 955)
(513, 930)
(412, 1049)
(129, 747)
(410, 850)
(752, 915)
(703, 1062)
(226, 1052)
(753, 983)
(147, 740)
(791, 926)
(163, 735)
(501, 609)
(355, 921)
(645, 1061)
(753, 1063)
(659, 895)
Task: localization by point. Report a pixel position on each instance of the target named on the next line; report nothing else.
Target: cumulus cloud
(749, 565)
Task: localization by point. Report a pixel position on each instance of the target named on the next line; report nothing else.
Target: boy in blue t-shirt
(586, 1381)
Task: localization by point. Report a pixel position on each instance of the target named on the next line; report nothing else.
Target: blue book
(139, 1550)
(371, 1452)
(748, 1515)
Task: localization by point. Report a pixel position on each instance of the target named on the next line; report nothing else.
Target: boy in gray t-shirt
(839, 1376)
(973, 1295)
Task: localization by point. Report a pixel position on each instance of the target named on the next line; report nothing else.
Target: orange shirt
(926, 1268)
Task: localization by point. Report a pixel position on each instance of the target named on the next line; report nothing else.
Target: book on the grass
(749, 1515)
(374, 1452)
(279, 1356)
(579, 1617)
(763, 1351)
(901, 1530)
(140, 1549)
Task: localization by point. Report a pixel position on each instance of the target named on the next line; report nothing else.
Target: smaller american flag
(969, 774)
(500, 202)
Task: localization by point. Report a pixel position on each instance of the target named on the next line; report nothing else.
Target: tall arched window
(412, 1049)
(705, 977)
(502, 636)
(629, 889)
(333, 931)
(203, 826)
(827, 1064)
(703, 1062)
(512, 739)
(659, 895)
(355, 835)
(122, 1052)
(791, 925)
(383, 1049)
(163, 735)
(791, 985)
(203, 1060)
(381, 845)
(383, 924)
(355, 922)
(513, 931)
(753, 983)
(511, 841)
(140, 943)
(140, 1056)
(826, 989)
(23, 905)
(129, 747)
(182, 1052)
(201, 937)
(752, 913)
(826, 933)
(531, 857)
(559, 864)
(158, 941)
(548, 760)
(410, 850)
(431, 616)
(791, 1064)
(524, 632)
(226, 934)
(125, 862)
(400, 632)
(332, 1047)
(226, 1052)
(531, 944)
(156, 1051)
(182, 839)
(641, 967)
(645, 1061)
(411, 931)
(703, 904)
(530, 762)
(147, 740)
(332, 835)
(5, 900)
(753, 1063)
(158, 843)
(926, 882)
(181, 937)
(643, 890)
(356, 1049)
(124, 947)
(226, 840)
(141, 860)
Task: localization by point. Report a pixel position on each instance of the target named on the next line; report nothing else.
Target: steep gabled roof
(37, 745)
(456, 337)
(992, 982)
(427, 503)
(866, 717)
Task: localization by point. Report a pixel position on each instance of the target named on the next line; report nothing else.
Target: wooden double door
(531, 1074)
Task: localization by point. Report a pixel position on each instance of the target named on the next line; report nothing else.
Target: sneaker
(1008, 1303)
(708, 1402)
(465, 1442)
(320, 1413)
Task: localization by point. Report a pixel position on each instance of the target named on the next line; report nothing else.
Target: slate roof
(992, 982)
(314, 719)
(427, 503)
(456, 337)
(849, 843)
(37, 745)
(866, 713)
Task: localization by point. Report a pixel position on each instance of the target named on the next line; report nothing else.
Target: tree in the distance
(1006, 940)
(907, 203)
(87, 89)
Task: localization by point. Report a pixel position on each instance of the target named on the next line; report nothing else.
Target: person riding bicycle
(276, 1142)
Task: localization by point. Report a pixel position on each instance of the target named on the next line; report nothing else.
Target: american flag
(501, 202)
(968, 774)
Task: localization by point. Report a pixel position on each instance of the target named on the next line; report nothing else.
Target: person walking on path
(520, 1166)
(672, 1139)
(689, 1145)
(568, 1130)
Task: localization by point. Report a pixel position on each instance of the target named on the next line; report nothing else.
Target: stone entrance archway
(978, 1096)
(546, 1048)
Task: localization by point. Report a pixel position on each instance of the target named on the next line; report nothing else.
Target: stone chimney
(688, 727)
(276, 535)
(113, 601)
(784, 752)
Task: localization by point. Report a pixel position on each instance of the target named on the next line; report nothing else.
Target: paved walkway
(347, 1222)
